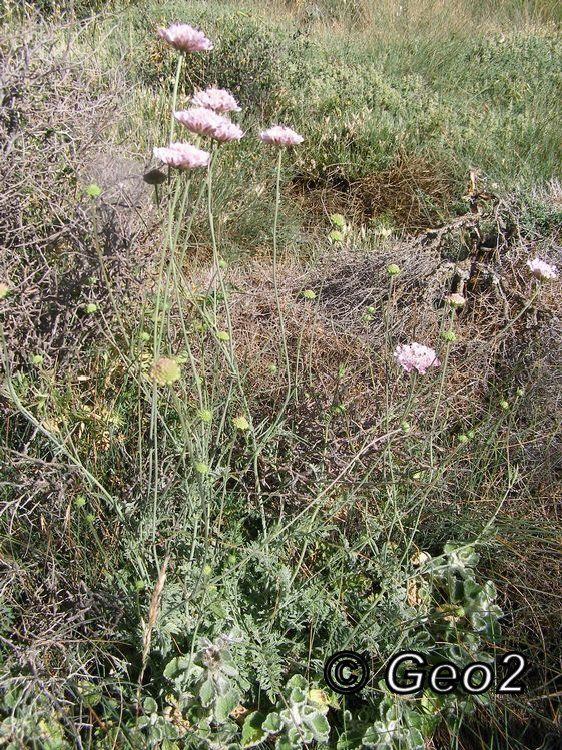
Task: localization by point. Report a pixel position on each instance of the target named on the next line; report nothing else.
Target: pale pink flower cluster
(542, 270)
(416, 356)
(184, 37)
(206, 122)
(219, 100)
(182, 156)
(281, 135)
(227, 132)
(199, 120)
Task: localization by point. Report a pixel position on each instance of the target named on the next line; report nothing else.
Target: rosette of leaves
(469, 606)
(297, 720)
(208, 684)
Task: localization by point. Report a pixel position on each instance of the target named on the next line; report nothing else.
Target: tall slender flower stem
(521, 312)
(233, 365)
(275, 280)
(413, 383)
(175, 95)
(387, 323)
(440, 393)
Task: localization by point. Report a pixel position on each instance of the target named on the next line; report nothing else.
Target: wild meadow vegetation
(282, 392)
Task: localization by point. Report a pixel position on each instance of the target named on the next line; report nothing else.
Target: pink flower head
(184, 37)
(206, 122)
(200, 120)
(456, 300)
(280, 135)
(416, 356)
(542, 270)
(218, 100)
(227, 132)
(182, 156)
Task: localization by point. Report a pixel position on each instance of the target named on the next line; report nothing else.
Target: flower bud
(449, 335)
(241, 423)
(456, 300)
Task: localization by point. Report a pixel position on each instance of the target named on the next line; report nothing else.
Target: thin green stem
(234, 367)
(175, 95)
(521, 312)
(440, 392)
(275, 277)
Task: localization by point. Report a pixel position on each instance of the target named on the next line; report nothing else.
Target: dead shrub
(55, 118)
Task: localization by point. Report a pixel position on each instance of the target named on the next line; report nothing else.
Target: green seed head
(91, 307)
(393, 269)
(309, 294)
(207, 570)
(406, 427)
(201, 468)
(144, 336)
(504, 405)
(241, 423)
(338, 220)
(93, 190)
(463, 438)
(205, 415)
(223, 336)
(449, 336)
(80, 501)
(4, 290)
(37, 359)
(165, 371)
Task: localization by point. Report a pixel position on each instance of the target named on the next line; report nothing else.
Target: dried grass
(411, 193)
